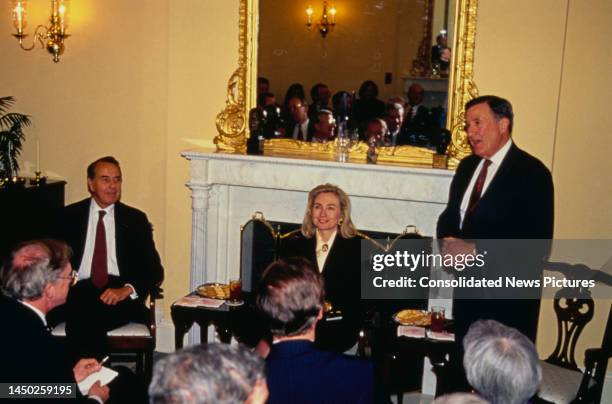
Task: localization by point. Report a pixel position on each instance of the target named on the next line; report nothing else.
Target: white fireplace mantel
(228, 188)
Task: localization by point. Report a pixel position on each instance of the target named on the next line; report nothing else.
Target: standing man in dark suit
(34, 281)
(291, 296)
(499, 192)
(118, 265)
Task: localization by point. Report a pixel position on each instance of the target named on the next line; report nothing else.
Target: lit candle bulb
(19, 16)
(37, 156)
(309, 12)
(332, 13)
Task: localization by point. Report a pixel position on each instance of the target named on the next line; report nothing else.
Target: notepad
(410, 331)
(196, 301)
(104, 375)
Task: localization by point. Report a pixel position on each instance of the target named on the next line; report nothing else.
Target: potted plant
(11, 139)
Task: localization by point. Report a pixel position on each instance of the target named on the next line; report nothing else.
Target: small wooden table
(241, 322)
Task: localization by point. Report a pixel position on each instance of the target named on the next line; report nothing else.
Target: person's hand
(454, 246)
(84, 368)
(100, 391)
(113, 296)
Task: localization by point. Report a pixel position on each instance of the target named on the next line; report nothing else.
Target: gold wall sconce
(52, 36)
(327, 21)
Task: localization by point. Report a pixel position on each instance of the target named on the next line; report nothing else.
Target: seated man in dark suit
(116, 260)
(34, 281)
(291, 296)
(300, 127)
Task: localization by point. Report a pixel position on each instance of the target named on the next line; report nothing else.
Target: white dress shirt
(296, 131)
(496, 160)
(322, 255)
(111, 247)
(90, 240)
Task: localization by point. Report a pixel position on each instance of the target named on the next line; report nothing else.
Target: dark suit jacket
(310, 130)
(297, 372)
(518, 204)
(342, 277)
(138, 260)
(29, 353)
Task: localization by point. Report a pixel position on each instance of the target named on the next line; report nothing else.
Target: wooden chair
(133, 342)
(596, 363)
(561, 377)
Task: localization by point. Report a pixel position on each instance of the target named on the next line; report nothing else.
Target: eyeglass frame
(74, 277)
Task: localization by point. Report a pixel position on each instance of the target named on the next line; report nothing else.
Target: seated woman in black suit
(328, 238)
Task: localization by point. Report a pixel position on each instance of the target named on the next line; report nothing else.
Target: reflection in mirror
(378, 52)
(397, 54)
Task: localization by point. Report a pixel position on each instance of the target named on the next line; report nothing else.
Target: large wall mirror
(394, 43)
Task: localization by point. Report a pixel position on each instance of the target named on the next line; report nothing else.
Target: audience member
(300, 126)
(419, 122)
(320, 95)
(34, 281)
(116, 260)
(376, 132)
(209, 374)
(294, 90)
(324, 126)
(291, 295)
(440, 53)
(501, 364)
(394, 117)
(328, 238)
(367, 106)
(460, 398)
(263, 85)
(342, 103)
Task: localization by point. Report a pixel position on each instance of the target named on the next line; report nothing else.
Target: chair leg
(148, 367)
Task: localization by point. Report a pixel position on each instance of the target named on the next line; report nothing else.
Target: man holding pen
(35, 280)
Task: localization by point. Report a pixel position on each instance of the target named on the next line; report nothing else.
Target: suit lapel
(497, 186)
(120, 233)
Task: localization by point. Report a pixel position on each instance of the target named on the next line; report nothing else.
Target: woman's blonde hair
(347, 228)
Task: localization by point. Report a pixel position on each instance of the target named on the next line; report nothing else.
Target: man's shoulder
(77, 206)
(527, 161)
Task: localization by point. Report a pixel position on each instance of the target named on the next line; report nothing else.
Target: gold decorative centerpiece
(241, 95)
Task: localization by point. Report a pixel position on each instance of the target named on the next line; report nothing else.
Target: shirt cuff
(133, 295)
(98, 399)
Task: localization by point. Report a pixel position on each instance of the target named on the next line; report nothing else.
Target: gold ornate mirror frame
(232, 122)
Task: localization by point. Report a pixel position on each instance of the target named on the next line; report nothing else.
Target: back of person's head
(460, 398)
(208, 373)
(295, 90)
(368, 90)
(291, 295)
(32, 265)
(501, 364)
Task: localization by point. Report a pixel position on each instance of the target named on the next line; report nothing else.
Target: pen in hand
(103, 361)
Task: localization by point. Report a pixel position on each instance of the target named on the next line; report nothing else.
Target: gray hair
(501, 363)
(209, 373)
(291, 295)
(460, 398)
(32, 266)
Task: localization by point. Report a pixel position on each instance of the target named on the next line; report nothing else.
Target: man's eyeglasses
(73, 277)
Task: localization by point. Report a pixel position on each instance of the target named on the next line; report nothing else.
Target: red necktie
(477, 191)
(99, 266)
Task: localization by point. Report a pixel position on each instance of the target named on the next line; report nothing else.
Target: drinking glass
(437, 318)
(235, 292)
